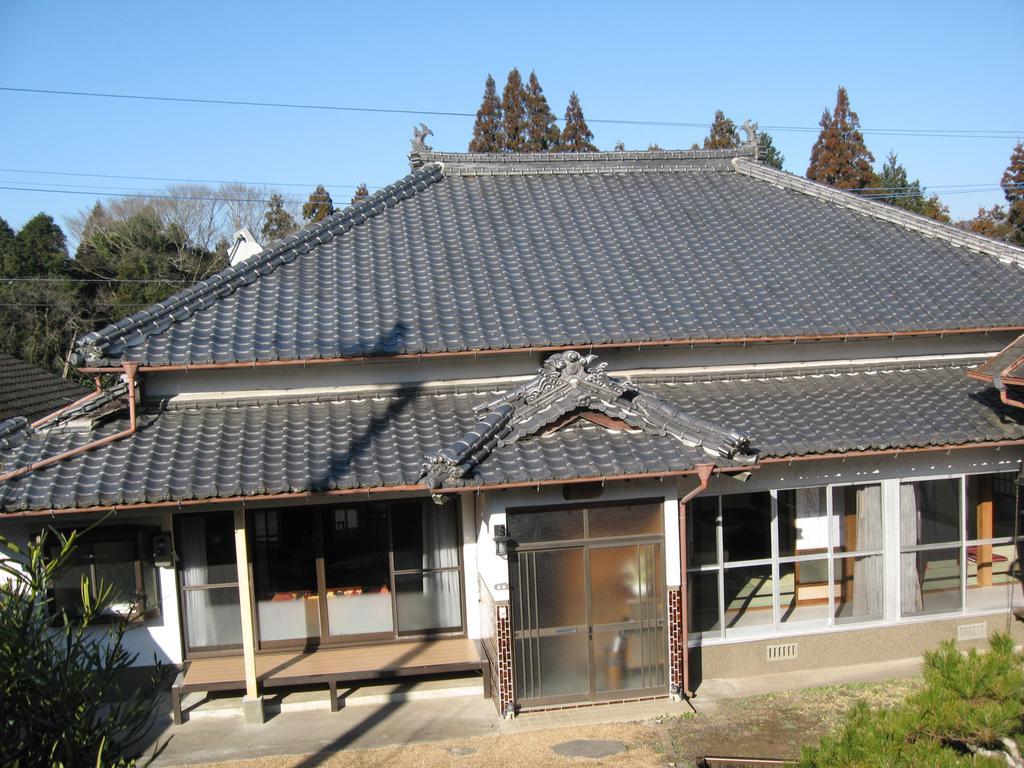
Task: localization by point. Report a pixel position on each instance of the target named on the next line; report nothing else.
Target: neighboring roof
(32, 392)
(296, 447)
(498, 252)
(569, 384)
(1005, 367)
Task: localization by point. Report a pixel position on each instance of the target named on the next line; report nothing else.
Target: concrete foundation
(252, 710)
(832, 649)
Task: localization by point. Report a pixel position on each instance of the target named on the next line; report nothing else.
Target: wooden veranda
(332, 666)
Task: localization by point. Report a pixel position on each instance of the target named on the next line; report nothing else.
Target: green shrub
(970, 712)
(60, 704)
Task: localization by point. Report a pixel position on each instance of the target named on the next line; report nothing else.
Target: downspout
(131, 370)
(1005, 399)
(704, 475)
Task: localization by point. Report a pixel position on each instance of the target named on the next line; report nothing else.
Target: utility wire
(179, 180)
(218, 199)
(923, 132)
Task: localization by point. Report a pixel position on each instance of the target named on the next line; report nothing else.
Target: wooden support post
(245, 603)
(985, 510)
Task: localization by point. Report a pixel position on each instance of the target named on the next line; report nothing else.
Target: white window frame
(890, 554)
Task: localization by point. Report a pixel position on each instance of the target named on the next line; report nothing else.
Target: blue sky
(931, 65)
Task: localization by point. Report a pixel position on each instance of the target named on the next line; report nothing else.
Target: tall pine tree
(542, 134)
(361, 193)
(513, 107)
(1013, 188)
(488, 135)
(576, 134)
(839, 157)
(767, 152)
(893, 186)
(319, 206)
(278, 223)
(723, 133)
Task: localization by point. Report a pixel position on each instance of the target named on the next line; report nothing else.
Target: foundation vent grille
(976, 631)
(782, 652)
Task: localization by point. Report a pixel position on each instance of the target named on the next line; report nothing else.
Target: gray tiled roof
(28, 391)
(260, 448)
(473, 252)
(568, 385)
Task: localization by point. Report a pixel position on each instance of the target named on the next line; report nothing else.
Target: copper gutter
(887, 452)
(704, 474)
(131, 372)
(314, 495)
(80, 401)
(990, 378)
(793, 339)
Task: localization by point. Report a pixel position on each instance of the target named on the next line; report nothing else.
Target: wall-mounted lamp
(501, 540)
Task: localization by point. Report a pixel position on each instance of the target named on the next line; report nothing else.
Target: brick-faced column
(505, 693)
(676, 646)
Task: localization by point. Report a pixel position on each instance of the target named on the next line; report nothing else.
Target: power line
(180, 180)
(919, 132)
(206, 198)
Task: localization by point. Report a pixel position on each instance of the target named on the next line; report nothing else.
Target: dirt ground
(773, 725)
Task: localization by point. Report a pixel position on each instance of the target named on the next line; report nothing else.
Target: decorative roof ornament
(419, 138)
(568, 382)
(750, 128)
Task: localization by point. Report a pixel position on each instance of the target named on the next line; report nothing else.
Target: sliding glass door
(356, 573)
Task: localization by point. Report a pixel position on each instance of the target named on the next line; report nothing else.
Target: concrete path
(319, 732)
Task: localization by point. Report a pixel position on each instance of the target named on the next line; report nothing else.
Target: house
(601, 425)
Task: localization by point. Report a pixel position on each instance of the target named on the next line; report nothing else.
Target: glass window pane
(748, 599)
(428, 601)
(929, 512)
(407, 534)
(205, 545)
(629, 659)
(990, 582)
(625, 520)
(930, 581)
(991, 503)
(625, 583)
(803, 521)
(701, 530)
(67, 585)
(559, 588)
(702, 598)
(213, 618)
(803, 592)
(284, 570)
(440, 536)
(857, 518)
(546, 525)
(858, 589)
(746, 526)
(564, 662)
(357, 575)
(115, 566)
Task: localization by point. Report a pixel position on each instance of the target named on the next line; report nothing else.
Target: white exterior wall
(298, 380)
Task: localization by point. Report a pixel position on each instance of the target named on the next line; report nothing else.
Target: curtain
(440, 538)
(192, 548)
(910, 529)
(867, 571)
(442, 592)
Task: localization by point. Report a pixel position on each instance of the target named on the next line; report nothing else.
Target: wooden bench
(331, 666)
